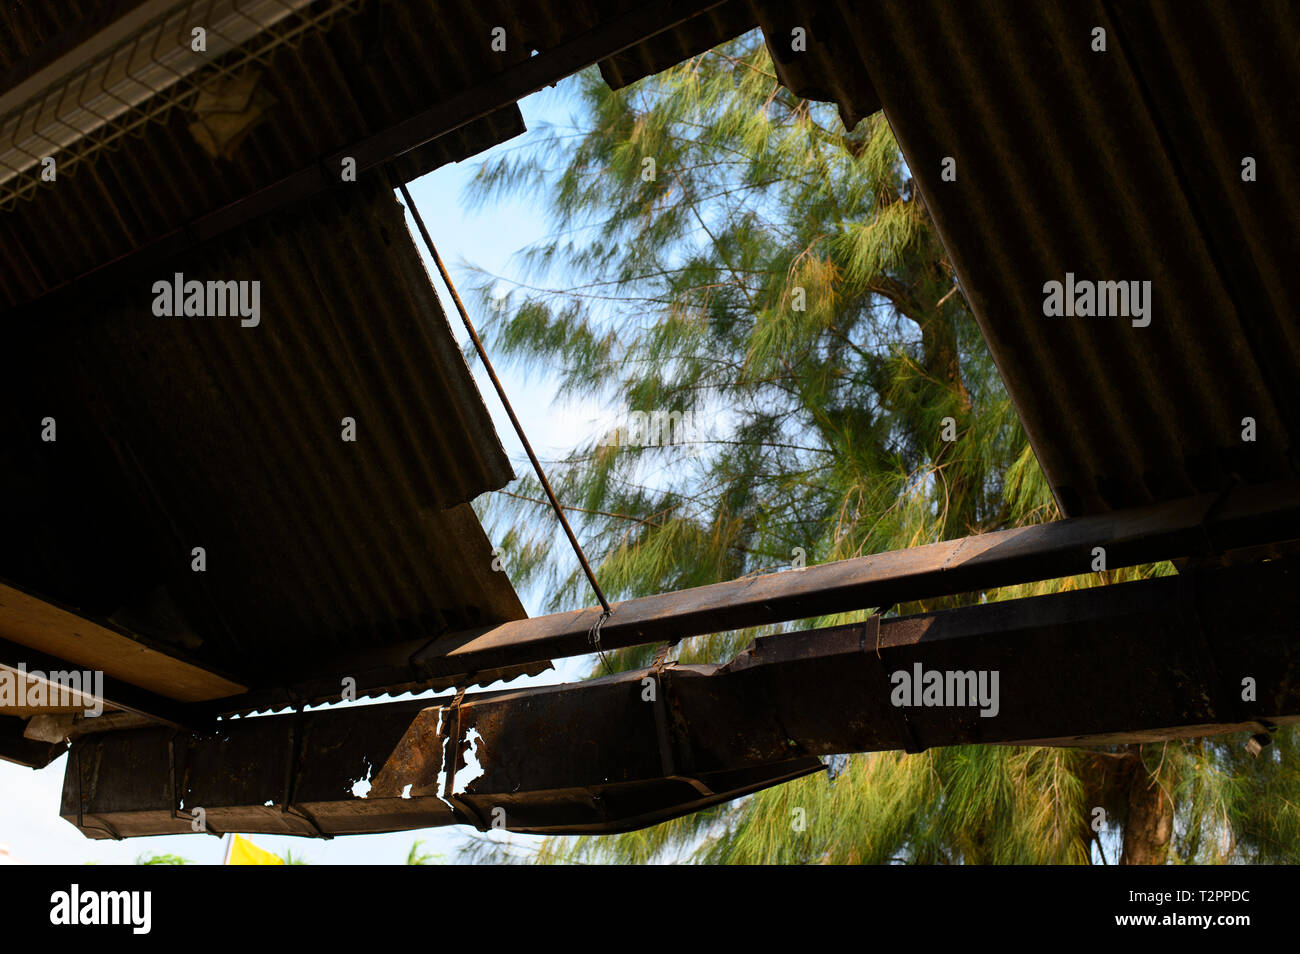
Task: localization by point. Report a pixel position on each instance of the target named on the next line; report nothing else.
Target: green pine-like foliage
(744, 260)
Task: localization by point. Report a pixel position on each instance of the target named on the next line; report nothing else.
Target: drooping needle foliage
(759, 299)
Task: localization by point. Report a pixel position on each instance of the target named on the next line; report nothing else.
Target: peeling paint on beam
(1161, 658)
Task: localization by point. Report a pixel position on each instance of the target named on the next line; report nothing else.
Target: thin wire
(523, 438)
(593, 637)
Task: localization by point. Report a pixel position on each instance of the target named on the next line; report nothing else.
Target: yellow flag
(244, 852)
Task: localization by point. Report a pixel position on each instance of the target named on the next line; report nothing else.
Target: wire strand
(510, 411)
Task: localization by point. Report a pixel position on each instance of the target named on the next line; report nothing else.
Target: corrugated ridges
(724, 22)
(828, 68)
(1116, 165)
(216, 435)
(330, 90)
(370, 71)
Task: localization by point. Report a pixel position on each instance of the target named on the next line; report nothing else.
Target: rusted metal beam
(1156, 659)
(1196, 526)
(301, 774)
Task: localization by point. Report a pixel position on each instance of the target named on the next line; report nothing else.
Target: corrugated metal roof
(175, 433)
(368, 72)
(724, 22)
(823, 67)
(34, 32)
(183, 432)
(328, 91)
(1122, 165)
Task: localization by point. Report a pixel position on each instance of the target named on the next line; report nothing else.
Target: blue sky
(488, 238)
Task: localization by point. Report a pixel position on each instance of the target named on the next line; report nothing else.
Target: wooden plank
(39, 625)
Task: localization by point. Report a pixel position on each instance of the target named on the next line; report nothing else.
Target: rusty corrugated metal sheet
(368, 72)
(1122, 165)
(34, 32)
(825, 68)
(172, 430)
(183, 432)
(722, 23)
(806, 76)
(329, 91)
(317, 549)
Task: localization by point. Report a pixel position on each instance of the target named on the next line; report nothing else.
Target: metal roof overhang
(1112, 157)
(174, 431)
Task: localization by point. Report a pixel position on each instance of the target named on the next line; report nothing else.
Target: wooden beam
(1199, 527)
(60, 635)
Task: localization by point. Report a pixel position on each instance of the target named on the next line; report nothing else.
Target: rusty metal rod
(505, 401)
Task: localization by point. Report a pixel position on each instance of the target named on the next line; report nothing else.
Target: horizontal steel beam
(1193, 527)
(1156, 659)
